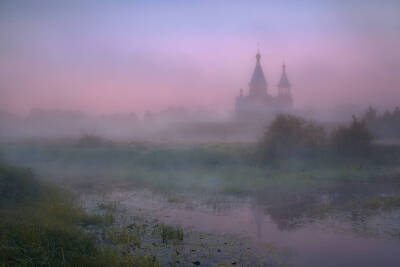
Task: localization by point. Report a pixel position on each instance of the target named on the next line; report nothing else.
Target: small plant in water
(146, 261)
(122, 236)
(110, 206)
(168, 232)
(384, 203)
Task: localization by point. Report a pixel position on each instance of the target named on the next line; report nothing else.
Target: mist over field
(211, 133)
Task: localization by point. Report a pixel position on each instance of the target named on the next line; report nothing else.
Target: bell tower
(284, 89)
(284, 85)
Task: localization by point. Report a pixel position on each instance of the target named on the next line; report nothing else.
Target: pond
(338, 238)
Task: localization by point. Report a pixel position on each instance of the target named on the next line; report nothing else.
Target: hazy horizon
(132, 56)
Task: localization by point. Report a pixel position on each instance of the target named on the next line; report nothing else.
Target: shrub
(383, 125)
(17, 185)
(289, 135)
(353, 140)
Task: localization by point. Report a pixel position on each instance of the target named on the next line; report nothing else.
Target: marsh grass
(384, 203)
(169, 233)
(291, 187)
(41, 225)
(109, 206)
(119, 235)
(146, 261)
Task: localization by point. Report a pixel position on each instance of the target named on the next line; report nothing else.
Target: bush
(355, 139)
(289, 136)
(383, 125)
(17, 185)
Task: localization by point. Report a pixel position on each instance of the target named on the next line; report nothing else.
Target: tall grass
(41, 226)
(169, 233)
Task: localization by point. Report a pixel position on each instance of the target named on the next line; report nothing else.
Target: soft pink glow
(105, 62)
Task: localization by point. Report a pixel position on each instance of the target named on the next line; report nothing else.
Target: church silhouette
(258, 102)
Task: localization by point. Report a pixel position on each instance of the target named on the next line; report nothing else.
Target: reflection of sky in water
(338, 239)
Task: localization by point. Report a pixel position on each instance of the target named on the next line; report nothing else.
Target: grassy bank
(42, 226)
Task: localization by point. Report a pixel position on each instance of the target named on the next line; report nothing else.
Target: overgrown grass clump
(122, 235)
(41, 226)
(169, 233)
(384, 203)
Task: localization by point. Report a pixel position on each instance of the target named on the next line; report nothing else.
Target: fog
(180, 133)
(122, 57)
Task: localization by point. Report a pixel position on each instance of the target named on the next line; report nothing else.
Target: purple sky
(124, 56)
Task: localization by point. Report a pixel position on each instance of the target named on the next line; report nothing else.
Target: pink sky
(133, 57)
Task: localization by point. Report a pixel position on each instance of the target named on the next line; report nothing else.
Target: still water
(339, 239)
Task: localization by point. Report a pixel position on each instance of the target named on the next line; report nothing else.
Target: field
(211, 168)
(170, 203)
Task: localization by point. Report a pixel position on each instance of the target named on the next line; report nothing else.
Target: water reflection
(351, 202)
(345, 224)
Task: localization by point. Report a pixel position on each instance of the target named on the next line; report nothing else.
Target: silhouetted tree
(355, 139)
(371, 114)
(289, 135)
(386, 125)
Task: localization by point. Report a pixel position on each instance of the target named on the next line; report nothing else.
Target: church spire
(258, 57)
(258, 85)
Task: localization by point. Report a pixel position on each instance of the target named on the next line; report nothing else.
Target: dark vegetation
(293, 143)
(41, 226)
(307, 173)
(289, 136)
(353, 140)
(17, 186)
(228, 168)
(384, 125)
(168, 233)
(45, 227)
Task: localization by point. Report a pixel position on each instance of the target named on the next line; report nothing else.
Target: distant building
(258, 102)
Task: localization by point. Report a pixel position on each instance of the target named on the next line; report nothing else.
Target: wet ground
(246, 231)
(331, 213)
(204, 246)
